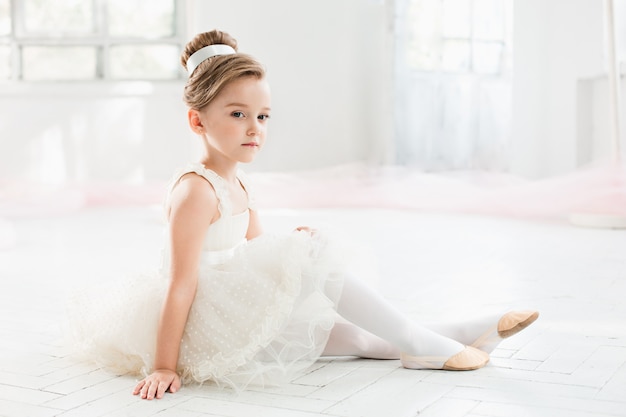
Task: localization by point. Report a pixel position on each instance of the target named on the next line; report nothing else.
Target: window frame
(472, 40)
(99, 39)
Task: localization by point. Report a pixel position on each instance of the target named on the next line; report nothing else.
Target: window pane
(5, 17)
(59, 63)
(58, 16)
(424, 55)
(144, 62)
(456, 19)
(455, 56)
(5, 62)
(424, 18)
(423, 46)
(487, 58)
(489, 19)
(141, 18)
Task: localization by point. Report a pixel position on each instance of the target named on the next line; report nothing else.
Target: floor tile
(571, 362)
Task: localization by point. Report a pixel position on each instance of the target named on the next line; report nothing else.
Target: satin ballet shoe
(466, 360)
(509, 324)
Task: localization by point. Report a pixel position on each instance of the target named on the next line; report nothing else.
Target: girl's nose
(255, 128)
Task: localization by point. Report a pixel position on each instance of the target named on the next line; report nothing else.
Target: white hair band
(205, 53)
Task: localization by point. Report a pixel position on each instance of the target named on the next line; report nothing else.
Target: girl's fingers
(152, 390)
(306, 229)
(175, 386)
(144, 390)
(155, 386)
(138, 387)
(161, 389)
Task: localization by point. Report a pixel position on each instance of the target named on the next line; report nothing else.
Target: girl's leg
(346, 339)
(486, 332)
(366, 309)
(471, 330)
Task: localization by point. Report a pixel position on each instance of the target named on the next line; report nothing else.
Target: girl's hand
(155, 384)
(306, 229)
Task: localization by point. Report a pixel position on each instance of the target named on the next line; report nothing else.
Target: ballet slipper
(509, 324)
(466, 360)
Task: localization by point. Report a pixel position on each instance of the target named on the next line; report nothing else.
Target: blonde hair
(213, 74)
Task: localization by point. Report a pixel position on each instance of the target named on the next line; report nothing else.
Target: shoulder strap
(221, 191)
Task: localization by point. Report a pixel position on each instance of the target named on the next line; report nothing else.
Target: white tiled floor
(571, 362)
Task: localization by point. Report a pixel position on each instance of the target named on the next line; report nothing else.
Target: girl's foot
(468, 359)
(509, 324)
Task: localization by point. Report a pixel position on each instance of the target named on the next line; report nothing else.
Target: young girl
(236, 307)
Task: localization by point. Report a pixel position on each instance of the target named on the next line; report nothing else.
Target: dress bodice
(229, 231)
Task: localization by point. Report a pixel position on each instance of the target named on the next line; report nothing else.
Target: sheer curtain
(453, 83)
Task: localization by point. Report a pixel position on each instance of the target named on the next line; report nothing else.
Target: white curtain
(452, 83)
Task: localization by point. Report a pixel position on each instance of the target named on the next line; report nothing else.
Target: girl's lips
(251, 144)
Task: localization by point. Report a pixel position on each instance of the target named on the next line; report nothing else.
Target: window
(459, 36)
(453, 71)
(44, 40)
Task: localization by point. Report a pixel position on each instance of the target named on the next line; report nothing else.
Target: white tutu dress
(263, 309)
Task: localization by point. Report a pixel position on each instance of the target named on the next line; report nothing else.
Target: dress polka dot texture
(263, 309)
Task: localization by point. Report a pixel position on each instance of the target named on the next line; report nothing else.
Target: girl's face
(234, 124)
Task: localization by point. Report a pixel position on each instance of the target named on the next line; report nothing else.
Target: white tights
(376, 329)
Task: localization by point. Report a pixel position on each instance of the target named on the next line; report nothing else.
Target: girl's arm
(193, 206)
(254, 227)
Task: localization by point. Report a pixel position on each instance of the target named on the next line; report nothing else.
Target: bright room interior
(474, 159)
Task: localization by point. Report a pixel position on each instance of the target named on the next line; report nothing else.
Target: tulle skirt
(259, 317)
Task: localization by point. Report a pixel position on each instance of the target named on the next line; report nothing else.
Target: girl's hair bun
(214, 37)
(212, 74)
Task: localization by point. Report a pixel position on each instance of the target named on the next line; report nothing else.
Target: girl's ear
(193, 116)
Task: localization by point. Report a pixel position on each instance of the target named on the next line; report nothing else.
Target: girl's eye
(264, 117)
(238, 114)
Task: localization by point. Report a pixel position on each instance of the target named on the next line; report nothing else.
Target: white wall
(77, 132)
(556, 43)
(326, 64)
